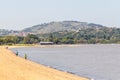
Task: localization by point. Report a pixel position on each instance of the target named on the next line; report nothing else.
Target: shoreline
(47, 46)
(57, 46)
(17, 68)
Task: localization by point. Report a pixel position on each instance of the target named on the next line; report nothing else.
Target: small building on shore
(46, 43)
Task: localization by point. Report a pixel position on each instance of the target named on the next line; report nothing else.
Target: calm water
(101, 62)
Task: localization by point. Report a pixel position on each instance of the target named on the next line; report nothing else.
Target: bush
(9, 44)
(25, 56)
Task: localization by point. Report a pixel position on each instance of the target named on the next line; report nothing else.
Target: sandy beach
(13, 67)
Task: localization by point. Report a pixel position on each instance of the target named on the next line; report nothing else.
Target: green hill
(61, 26)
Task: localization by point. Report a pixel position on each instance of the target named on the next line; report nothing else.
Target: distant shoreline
(46, 46)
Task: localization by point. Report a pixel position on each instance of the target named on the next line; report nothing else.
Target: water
(101, 62)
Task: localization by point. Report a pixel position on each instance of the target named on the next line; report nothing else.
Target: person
(17, 53)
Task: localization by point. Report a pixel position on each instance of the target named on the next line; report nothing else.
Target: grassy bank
(13, 67)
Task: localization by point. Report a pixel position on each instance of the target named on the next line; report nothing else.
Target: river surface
(99, 61)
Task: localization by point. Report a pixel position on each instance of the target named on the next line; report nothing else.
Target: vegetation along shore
(65, 32)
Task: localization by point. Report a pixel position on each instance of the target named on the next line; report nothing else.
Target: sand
(13, 67)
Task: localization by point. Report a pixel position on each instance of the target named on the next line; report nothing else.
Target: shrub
(25, 56)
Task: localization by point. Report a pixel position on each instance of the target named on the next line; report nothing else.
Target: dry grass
(13, 67)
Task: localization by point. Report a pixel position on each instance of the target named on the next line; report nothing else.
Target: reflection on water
(101, 62)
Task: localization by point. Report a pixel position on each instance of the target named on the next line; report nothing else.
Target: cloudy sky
(19, 14)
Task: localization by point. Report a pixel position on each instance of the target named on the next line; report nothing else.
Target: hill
(61, 26)
(65, 32)
(4, 32)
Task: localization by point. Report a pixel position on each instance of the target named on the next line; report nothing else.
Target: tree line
(83, 36)
(10, 40)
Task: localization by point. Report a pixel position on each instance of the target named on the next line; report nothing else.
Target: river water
(99, 61)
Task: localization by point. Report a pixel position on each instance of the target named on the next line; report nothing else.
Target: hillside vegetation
(89, 35)
(66, 32)
(61, 26)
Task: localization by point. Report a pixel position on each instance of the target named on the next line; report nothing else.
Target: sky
(20, 14)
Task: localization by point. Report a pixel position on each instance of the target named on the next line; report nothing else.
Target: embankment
(13, 67)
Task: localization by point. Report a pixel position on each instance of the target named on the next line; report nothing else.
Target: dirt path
(13, 67)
